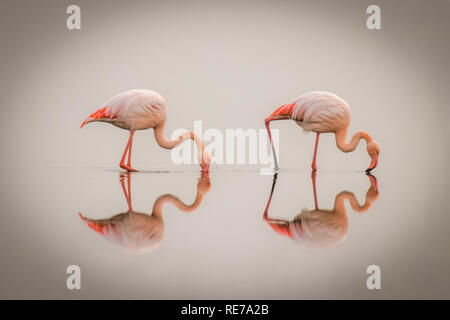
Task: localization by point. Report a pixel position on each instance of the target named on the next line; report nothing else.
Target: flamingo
(140, 232)
(141, 109)
(323, 112)
(318, 227)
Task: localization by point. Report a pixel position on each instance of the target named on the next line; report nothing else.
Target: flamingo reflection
(142, 232)
(318, 227)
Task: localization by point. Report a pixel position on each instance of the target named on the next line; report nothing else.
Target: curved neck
(202, 154)
(168, 198)
(162, 140)
(347, 147)
(339, 206)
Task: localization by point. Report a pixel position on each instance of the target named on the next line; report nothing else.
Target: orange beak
(97, 227)
(205, 167)
(100, 113)
(373, 163)
(86, 121)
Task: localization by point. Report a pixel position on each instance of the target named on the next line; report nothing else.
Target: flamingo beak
(97, 227)
(373, 163)
(206, 160)
(205, 167)
(373, 182)
(86, 121)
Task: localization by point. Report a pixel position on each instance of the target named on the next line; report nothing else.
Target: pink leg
(128, 149)
(266, 212)
(313, 165)
(313, 178)
(267, 122)
(127, 194)
(122, 161)
(129, 189)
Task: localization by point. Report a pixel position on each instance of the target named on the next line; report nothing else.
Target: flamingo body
(138, 232)
(321, 228)
(141, 232)
(141, 109)
(137, 109)
(323, 112)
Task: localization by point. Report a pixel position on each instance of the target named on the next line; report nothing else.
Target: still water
(174, 234)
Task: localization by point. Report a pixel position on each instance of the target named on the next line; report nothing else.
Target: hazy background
(229, 64)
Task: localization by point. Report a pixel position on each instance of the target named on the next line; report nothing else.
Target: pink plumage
(141, 109)
(323, 112)
(319, 227)
(137, 109)
(142, 232)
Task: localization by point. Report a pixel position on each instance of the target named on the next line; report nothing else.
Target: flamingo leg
(128, 149)
(266, 212)
(122, 161)
(313, 165)
(313, 178)
(129, 189)
(267, 122)
(124, 189)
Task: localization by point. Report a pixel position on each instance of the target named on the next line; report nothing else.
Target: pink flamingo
(142, 109)
(320, 227)
(323, 112)
(141, 232)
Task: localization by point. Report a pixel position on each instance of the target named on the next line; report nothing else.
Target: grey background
(229, 64)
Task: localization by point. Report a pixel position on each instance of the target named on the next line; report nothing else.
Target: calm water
(228, 64)
(207, 237)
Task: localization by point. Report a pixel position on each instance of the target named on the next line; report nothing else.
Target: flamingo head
(204, 184)
(373, 149)
(204, 157)
(206, 160)
(100, 113)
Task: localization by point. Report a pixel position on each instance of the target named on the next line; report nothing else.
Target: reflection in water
(321, 228)
(141, 232)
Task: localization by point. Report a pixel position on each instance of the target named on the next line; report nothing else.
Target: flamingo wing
(130, 109)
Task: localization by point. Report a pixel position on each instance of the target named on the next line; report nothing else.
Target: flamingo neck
(350, 146)
(203, 156)
(169, 198)
(162, 140)
(339, 202)
(339, 206)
